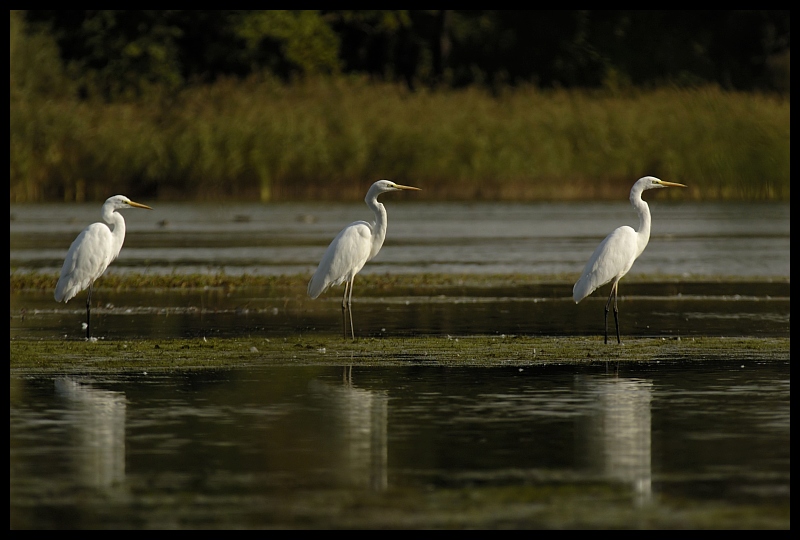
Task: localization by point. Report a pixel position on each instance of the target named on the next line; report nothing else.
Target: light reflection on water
(692, 243)
(281, 446)
(620, 431)
(693, 240)
(645, 310)
(97, 418)
(387, 447)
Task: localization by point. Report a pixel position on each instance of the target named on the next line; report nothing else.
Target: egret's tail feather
(582, 289)
(66, 291)
(316, 287)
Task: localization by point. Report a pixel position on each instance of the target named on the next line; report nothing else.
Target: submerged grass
(324, 350)
(367, 283)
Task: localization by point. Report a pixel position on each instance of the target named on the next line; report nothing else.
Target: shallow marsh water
(691, 241)
(668, 445)
(695, 251)
(647, 309)
(565, 433)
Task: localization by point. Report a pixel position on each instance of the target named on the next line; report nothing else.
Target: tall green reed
(329, 138)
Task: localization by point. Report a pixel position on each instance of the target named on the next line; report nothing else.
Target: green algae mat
(482, 351)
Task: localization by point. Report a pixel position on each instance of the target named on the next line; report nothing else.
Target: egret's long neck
(643, 233)
(117, 225)
(378, 226)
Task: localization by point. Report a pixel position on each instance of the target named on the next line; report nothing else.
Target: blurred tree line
(122, 53)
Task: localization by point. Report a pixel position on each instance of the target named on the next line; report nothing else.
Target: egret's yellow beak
(398, 186)
(139, 205)
(670, 184)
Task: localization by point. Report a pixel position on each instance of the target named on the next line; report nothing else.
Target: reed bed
(329, 138)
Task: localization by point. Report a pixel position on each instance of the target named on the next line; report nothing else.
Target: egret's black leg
(605, 340)
(616, 314)
(344, 309)
(89, 312)
(350, 309)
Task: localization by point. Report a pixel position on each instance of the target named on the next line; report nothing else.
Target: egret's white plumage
(615, 255)
(352, 248)
(92, 251)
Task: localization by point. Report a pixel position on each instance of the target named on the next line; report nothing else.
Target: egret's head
(119, 202)
(382, 186)
(388, 185)
(651, 182)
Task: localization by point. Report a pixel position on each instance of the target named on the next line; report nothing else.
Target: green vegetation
(368, 284)
(320, 139)
(328, 137)
(319, 350)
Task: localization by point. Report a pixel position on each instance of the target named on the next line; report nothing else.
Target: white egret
(92, 251)
(617, 252)
(347, 254)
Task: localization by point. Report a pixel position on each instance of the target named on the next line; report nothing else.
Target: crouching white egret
(92, 251)
(347, 254)
(616, 254)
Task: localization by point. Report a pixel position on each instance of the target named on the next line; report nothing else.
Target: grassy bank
(367, 283)
(331, 138)
(476, 351)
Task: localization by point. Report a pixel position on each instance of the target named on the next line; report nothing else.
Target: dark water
(694, 245)
(652, 446)
(674, 444)
(697, 309)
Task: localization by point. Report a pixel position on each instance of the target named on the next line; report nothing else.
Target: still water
(682, 443)
(695, 247)
(675, 445)
(691, 240)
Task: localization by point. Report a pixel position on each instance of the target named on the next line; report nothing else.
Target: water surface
(649, 446)
(678, 443)
(697, 249)
(692, 240)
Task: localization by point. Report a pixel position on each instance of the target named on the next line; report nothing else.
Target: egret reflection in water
(618, 430)
(285, 446)
(359, 430)
(97, 422)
